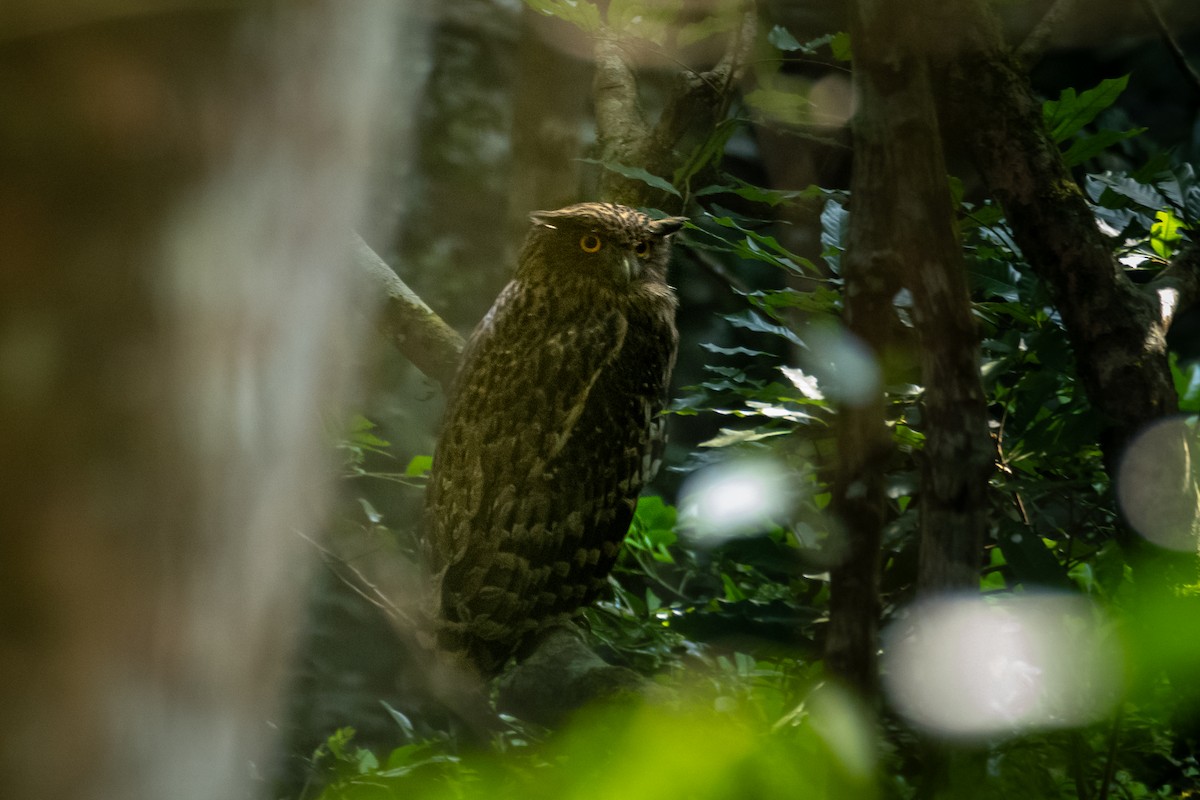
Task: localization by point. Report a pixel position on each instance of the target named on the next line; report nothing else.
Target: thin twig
(1177, 54)
(1110, 761)
(1035, 43)
(371, 593)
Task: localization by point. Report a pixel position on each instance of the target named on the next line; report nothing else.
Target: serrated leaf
(634, 173)
(753, 321)
(805, 383)
(728, 437)
(1071, 112)
(762, 247)
(732, 351)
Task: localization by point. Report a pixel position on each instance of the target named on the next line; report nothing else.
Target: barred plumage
(551, 431)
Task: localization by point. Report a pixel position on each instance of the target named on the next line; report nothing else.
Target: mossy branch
(413, 327)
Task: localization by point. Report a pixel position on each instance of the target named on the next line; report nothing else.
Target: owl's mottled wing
(523, 393)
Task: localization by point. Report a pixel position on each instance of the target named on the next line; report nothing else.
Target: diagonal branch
(1177, 54)
(1116, 330)
(413, 327)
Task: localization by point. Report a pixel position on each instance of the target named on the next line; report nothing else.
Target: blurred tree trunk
(176, 196)
(902, 233)
(550, 114)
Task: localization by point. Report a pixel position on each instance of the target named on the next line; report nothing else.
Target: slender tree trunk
(903, 230)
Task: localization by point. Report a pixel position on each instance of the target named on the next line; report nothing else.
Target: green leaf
(732, 592)
(762, 247)
(369, 510)
(1165, 232)
(708, 26)
(780, 38)
(1187, 384)
(1124, 186)
(784, 105)
(710, 151)
(636, 174)
(1086, 147)
(761, 194)
(418, 466)
(1070, 113)
(840, 45)
(1030, 560)
(752, 321)
(649, 21)
(580, 13)
(733, 351)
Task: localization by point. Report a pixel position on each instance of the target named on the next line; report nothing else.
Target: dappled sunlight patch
(1156, 484)
(971, 666)
(825, 748)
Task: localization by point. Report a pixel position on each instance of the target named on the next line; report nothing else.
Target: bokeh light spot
(1155, 484)
(735, 498)
(974, 667)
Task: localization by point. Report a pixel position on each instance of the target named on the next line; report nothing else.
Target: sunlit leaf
(418, 466)
(1165, 232)
(1071, 112)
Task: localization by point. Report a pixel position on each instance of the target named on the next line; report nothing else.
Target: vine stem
(1110, 760)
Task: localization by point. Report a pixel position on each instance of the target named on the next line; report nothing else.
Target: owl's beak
(630, 268)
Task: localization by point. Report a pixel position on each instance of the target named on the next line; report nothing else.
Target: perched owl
(551, 430)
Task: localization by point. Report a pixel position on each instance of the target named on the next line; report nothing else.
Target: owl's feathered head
(616, 245)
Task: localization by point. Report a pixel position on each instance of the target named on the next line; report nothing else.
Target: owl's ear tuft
(667, 225)
(546, 219)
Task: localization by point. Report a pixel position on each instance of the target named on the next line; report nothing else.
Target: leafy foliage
(734, 624)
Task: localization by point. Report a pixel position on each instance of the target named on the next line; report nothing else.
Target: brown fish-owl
(552, 428)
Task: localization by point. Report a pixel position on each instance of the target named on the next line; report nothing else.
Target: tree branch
(621, 128)
(1178, 286)
(1177, 54)
(413, 327)
(625, 136)
(1035, 42)
(1116, 330)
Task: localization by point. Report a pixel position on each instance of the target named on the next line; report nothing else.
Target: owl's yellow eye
(642, 249)
(589, 243)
